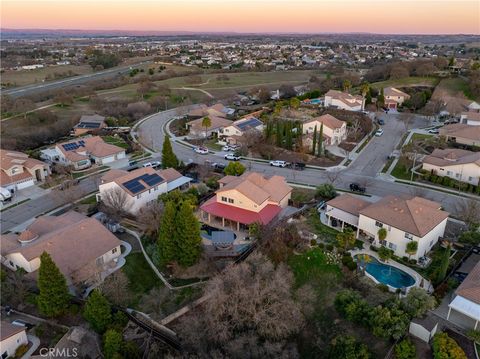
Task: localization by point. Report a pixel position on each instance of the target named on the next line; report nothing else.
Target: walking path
(35, 344)
(194, 89)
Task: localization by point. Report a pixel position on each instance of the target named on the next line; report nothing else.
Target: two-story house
(462, 134)
(19, 171)
(11, 337)
(455, 163)
(334, 130)
(471, 118)
(249, 198)
(344, 101)
(394, 97)
(81, 153)
(133, 190)
(405, 219)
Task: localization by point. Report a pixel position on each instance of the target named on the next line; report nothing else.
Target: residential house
(237, 129)
(11, 337)
(394, 97)
(217, 110)
(81, 153)
(249, 198)
(464, 309)
(455, 163)
(344, 101)
(19, 171)
(89, 123)
(405, 219)
(471, 118)
(133, 190)
(82, 248)
(334, 130)
(197, 130)
(462, 134)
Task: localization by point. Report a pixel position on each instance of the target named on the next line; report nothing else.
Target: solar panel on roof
(253, 122)
(153, 179)
(89, 125)
(134, 186)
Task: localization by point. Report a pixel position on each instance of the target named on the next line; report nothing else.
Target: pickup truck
(279, 163)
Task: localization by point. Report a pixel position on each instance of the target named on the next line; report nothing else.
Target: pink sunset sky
(301, 16)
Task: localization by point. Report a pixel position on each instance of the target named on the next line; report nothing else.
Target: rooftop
(452, 157)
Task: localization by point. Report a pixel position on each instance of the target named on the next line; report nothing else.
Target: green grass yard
(312, 266)
(140, 276)
(117, 141)
(412, 81)
(419, 137)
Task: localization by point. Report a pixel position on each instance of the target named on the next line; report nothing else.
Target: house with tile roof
(134, 190)
(344, 101)
(249, 198)
(461, 165)
(83, 152)
(238, 128)
(334, 130)
(471, 118)
(462, 134)
(466, 302)
(19, 171)
(217, 110)
(83, 249)
(89, 123)
(11, 337)
(197, 130)
(405, 219)
(394, 97)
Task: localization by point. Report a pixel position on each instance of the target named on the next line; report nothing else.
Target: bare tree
(469, 211)
(116, 201)
(150, 216)
(334, 175)
(407, 119)
(23, 105)
(355, 128)
(115, 288)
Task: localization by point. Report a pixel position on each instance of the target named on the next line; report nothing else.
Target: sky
(284, 16)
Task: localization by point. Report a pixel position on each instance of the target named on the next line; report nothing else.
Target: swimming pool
(314, 101)
(386, 274)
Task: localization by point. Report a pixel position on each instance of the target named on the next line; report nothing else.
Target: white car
(156, 164)
(231, 157)
(147, 164)
(434, 131)
(226, 148)
(201, 150)
(278, 163)
(379, 132)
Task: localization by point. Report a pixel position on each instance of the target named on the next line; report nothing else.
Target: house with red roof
(249, 198)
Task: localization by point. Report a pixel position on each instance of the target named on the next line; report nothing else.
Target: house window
(114, 250)
(449, 173)
(230, 200)
(378, 224)
(408, 236)
(470, 179)
(457, 175)
(224, 199)
(383, 242)
(149, 190)
(392, 246)
(155, 188)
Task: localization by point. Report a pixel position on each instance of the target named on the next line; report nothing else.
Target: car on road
(218, 167)
(23, 323)
(379, 132)
(298, 166)
(380, 121)
(201, 150)
(279, 163)
(232, 157)
(355, 187)
(434, 131)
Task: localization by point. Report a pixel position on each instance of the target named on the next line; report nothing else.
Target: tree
(314, 140)
(470, 237)
(169, 160)
(23, 105)
(166, 235)
(444, 263)
(412, 248)
(326, 191)
(381, 99)
(365, 90)
(347, 85)
(116, 200)
(115, 288)
(382, 234)
(399, 72)
(150, 216)
(405, 350)
(385, 254)
(469, 211)
(389, 322)
(187, 236)
(112, 344)
(63, 99)
(287, 91)
(206, 122)
(234, 169)
(53, 298)
(294, 103)
(15, 287)
(346, 239)
(144, 87)
(445, 347)
(320, 141)
(346, 347)
(97, 311)
(418, 302)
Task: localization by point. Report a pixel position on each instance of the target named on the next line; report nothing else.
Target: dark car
(380, 121)
(355, 187)
(299, 166)
(218, 167)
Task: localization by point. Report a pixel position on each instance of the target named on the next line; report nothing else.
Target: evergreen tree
(288, 135)
(206, 122)
(168, 157)
(187, 236)
(320, 141)
(314, 140)
(278, 133)
(54, 298)
(98, 312)
(381, 99)
(299, 137)
(444, 263)
(112, 344)
(166, 236)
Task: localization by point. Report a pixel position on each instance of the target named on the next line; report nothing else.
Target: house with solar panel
(82, 153)
(89, 123)
(140, 187)
(233, 133)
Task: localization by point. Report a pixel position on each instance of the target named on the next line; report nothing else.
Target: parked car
(132, 163)
(226, 148)
(355, 187)
(299, 166)
(279, 163)
(380, 121)
(5, 195)
(147, 164)
(23, 323)
(231, 157)
(379, 132)
(201, 150)
(156, 164)
(218, 167)
(434, 131)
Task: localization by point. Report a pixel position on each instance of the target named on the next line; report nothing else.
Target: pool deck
(419, 280)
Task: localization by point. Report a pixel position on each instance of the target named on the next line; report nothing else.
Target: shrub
(313, 242)
(325, 191)
(373, 248)
(405, 350)
(405, 258)
(21, 350)
(348, 262)
(321, 245)
(445, 347)
(413, 261)
(474, 335)
(329, 247)
(383, 287)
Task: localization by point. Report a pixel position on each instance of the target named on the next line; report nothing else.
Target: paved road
(76, 80)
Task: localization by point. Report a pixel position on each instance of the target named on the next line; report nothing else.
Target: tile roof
(452, 157)
(8, 330)
(417, 216)
(471, 115)
(328, 121)
(392, 91)
(349, 203)
(461, 130)
(94, 146)
(470, 287)
(217, 122)
(346, 98)
(9, 159)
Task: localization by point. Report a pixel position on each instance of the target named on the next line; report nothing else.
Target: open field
(27, 77)
(454, 87)
(407, 82)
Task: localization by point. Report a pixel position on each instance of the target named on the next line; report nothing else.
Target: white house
(240, 127)
(461, 165)
(471, 118)
(334, 130)
(11, 337)
(134, 190)
(394, 97)
(82, 152)
(344, 101)
(406, 219)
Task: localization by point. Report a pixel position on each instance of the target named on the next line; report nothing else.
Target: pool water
(387, 274)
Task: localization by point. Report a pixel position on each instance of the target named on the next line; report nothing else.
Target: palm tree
(412, 248)
(206, 122)
(347, 85)
(365, 88)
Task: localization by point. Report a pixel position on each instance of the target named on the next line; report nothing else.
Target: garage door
(392, 105)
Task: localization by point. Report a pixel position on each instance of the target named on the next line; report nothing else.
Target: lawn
(455, 85)
(117, 141)
(412, 81)
(312, 266)
(324, 232)
(26, 77)
(402, 171)
(140, 276)
(89, 200)
(419, 137)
